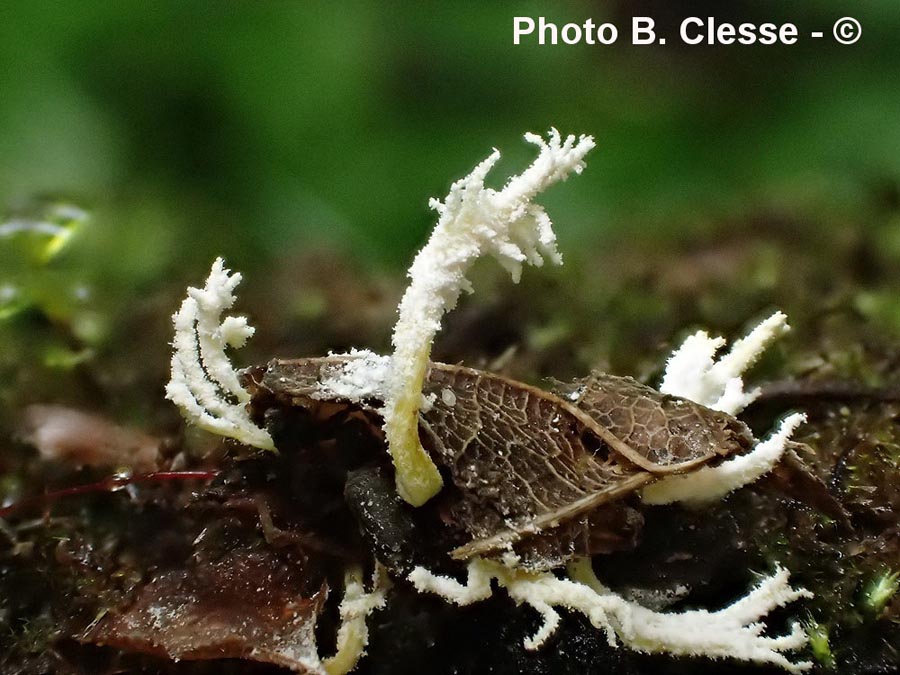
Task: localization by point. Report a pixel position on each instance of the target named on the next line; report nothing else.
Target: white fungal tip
(693, 372)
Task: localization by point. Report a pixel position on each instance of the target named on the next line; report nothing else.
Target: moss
(878, 592)
(819, 643)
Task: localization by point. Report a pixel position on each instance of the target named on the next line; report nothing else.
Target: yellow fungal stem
(351, 640)
(357, 605)
(418, 479)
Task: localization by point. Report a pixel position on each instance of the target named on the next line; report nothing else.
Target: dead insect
(548, 475)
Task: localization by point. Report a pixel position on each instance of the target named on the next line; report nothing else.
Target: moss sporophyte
(521, 477)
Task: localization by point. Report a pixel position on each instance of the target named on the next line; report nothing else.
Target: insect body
(546, 475)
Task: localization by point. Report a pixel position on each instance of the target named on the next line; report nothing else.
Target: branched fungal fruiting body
(474, 221)
(204, 384)
(732, 632)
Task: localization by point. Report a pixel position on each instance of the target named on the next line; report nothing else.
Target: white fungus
(692, 373)
(733, 632)
(203, 383)
(356, 606)
(474, 221)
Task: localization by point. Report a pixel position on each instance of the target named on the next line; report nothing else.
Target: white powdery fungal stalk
(692, 373)
(474, 221)
(733, 632)
(355, 608)
(203, 383)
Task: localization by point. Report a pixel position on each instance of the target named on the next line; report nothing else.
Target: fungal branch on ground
(356, 606)
(474, 221)
(693, 372)
(733, 632)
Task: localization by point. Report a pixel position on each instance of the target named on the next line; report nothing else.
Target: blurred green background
(265, 131)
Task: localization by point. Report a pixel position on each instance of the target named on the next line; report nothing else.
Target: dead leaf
(247, 605)
(84, 439)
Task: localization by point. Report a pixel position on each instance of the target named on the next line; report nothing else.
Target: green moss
(819, 642)
(880, 591)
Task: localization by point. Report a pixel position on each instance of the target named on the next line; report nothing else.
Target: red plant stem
(107, 485)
